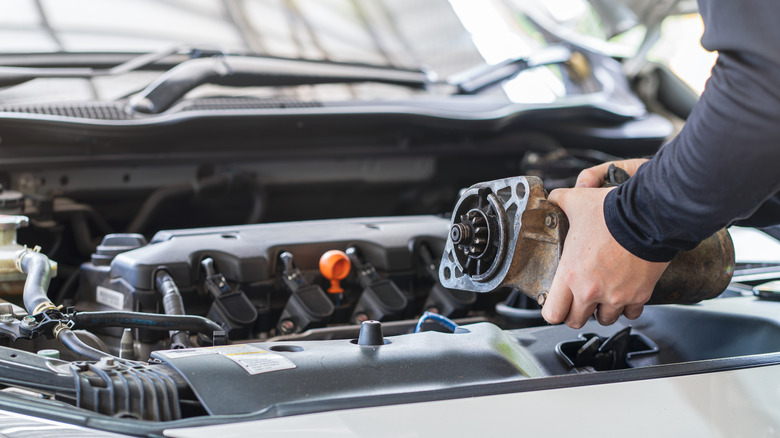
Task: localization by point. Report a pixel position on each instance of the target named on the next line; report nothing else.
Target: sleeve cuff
(631, 239)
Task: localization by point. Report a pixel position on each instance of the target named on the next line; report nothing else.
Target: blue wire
(443, 320)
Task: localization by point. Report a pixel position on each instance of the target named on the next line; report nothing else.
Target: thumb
(558, 196)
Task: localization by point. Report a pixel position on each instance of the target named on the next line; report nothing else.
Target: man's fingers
(592, 177)
(579, 314)
(633, 311)
(607, 315)
(556, 306)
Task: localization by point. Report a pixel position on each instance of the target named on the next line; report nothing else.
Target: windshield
(392, 33)
(443, 37)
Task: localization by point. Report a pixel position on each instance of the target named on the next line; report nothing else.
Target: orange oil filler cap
(335, 266)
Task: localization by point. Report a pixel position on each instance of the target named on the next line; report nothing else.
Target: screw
(107, 363)
(551, 221)
(360, 317)
(29, 321)
(541, 299)
(6, 317)
(287, 326)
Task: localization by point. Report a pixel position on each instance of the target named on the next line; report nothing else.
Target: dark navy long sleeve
(724, 165)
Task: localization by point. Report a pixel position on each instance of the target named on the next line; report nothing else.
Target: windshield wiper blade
(18, 75)
(246, 71)
(475, 80)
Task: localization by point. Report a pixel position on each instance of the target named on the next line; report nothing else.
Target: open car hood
(619, 16)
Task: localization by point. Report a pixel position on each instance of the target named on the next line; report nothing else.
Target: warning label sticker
(252, 359)
(110, 298)
(261, 361)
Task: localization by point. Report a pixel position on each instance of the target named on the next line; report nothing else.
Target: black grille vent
(117, 111)
(94, 111)
(231, 103)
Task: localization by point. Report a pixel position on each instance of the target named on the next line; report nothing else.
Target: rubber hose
(173, 305)
(166, 194)
(38, 270)
(70, 285)
(82, 235)
(76, 345)
(154, 201)
(91, 339)
(152, 321)
(257, 204)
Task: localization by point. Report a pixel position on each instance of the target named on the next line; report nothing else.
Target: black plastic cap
(115, 244)
(371, 333)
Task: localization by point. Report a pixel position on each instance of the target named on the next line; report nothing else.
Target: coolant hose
(158, 198)
(38, 270)
(76, 345)
(173, 305)
(151, 321)
(167, 194)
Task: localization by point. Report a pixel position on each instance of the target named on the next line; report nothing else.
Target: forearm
(720, 168)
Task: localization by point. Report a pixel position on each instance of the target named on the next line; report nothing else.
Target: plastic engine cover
(248, 254)
(245, 378)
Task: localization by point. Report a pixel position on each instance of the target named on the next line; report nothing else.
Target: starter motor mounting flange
(496, 224)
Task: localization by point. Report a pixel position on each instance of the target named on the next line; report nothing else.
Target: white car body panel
(739, 403)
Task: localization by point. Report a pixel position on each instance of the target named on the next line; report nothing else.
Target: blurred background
(404, 33)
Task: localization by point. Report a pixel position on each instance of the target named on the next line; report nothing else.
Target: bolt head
(551, 221)
(287, 326)
(107, 363)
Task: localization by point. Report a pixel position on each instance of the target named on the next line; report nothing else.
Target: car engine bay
(302, 316)
(239, 257)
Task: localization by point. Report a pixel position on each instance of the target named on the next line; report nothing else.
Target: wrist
(629, 236)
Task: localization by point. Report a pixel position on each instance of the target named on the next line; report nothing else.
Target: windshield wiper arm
(18, 75)
(475, 80)
(245, 71)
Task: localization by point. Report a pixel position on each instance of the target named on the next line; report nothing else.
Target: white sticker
(110, 298)
(185, 352)
(261, 361)
(252, 359)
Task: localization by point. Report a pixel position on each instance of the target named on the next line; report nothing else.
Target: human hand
(595, 273)
(593, 177)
